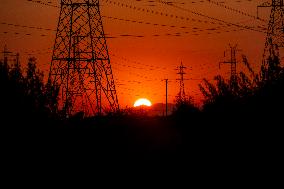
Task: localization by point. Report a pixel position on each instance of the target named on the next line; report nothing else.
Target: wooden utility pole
(167, 82)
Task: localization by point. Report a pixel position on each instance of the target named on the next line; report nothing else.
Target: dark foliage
(254, 94)
(29, 111)
(24, 96)
(185, 110)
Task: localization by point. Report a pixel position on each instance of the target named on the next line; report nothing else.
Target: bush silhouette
(183, 107)
(24, 95)
(262, 92)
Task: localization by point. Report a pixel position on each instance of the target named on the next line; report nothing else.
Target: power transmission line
(211, 18)
(219, 21)
(235, 10)
(26, 34)
(136, 62)
(140, 9)
(178, 34)
(120, 19)
(25, 26)
(156, 24)
(42, 3)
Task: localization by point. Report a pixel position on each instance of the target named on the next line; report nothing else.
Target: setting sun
(142, 102)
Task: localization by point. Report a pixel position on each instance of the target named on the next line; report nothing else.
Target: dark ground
(131, 139)
(205, 150)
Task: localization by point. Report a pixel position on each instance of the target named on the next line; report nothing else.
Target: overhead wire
(211, 18)
(169, 15)
(139, 9)
(32, 27)
(219, 21)
(42, 3)
(19, 33)
(177, 34)
(235, 10)
(127, 35)
(25, 26)
(150, 23)
(136, 62)
(120, 19)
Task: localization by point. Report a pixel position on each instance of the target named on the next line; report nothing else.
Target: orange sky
(140, 64)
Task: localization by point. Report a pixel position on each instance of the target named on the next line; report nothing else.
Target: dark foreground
(199, 138)
(205, 150)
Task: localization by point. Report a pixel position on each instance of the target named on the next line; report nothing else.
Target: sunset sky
(192, 31)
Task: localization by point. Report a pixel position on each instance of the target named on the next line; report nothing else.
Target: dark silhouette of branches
(262, 92)
(184, 108)
(24, 95)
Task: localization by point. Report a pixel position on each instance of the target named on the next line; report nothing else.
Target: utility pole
(80, 66)
(17, 59)
(232, 62)
(167, 82)
(275, 32)
(181, 73)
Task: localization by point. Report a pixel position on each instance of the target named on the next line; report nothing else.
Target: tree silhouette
(24, 94)
(260, 92)
(184, 108)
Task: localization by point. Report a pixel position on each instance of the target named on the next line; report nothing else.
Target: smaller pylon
(181, 72)
(9, 56)
(6, 54)
(233, 62)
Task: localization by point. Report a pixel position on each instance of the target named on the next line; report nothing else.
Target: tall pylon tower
(80, 66)
(181, 72)
(275, 34)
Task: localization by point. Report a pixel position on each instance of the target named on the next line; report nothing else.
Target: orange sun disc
(142, 102)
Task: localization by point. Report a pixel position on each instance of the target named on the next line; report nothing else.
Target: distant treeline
(243, 94)
(252, 92)
(25, 96)
(239, 117)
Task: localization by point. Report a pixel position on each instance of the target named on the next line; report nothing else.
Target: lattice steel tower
(275, 34)
(233, 62)
(181, 95)
(80, 65)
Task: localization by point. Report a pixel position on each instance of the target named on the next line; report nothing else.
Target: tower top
(79, 1)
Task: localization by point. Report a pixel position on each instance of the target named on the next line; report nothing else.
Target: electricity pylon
(181, 95)
(80, 66)
(7, 55)
(275, 33)
(232, 62)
